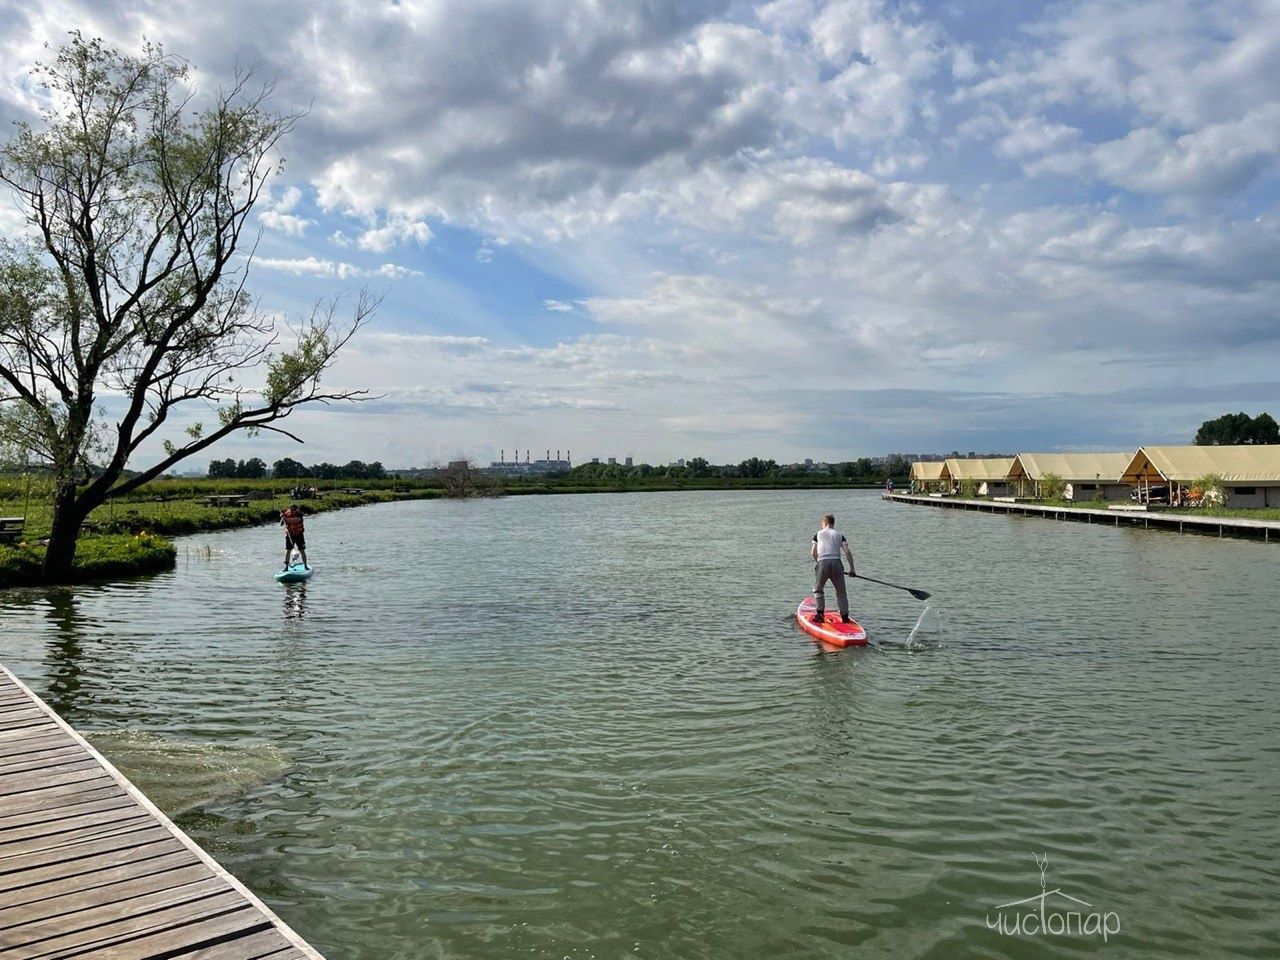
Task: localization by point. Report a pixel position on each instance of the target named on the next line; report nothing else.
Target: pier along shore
(1266, 530)
(89, 867)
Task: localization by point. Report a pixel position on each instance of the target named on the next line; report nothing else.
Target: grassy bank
(97, 558)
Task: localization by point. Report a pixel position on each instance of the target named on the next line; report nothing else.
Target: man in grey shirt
(828, 544)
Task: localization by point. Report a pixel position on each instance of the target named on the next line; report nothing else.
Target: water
(643, 757)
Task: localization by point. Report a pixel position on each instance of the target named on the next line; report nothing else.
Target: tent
(929, 474)
(1250, 473)
(990, 473)
(1088, 475)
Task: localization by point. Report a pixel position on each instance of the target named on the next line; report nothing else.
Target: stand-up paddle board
(295, 574)
(830, 631)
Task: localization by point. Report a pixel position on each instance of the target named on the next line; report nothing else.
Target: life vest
(292, 522)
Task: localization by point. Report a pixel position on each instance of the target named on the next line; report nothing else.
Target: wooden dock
(1177, 522)
(90, 869)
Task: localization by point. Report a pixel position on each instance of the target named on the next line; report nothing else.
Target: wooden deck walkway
(90, 869)
(1265, 530)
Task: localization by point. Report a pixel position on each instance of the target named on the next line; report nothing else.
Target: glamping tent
(929, 475)
(1250, 474)
(1089, 476)
(991, 475)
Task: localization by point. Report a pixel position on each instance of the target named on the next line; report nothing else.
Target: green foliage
(968, 488)
(1052, 487)
(1238, 428)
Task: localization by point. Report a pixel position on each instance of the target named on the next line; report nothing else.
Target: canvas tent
(929, 475)
(990, 474)
(1089, 476)
(1250, 473)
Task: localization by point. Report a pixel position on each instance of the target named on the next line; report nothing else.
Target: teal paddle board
(295, 574)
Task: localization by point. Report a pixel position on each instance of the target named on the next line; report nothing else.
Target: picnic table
(11, 529)
(227, 500)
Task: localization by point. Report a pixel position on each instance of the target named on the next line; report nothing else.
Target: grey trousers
(832, 570)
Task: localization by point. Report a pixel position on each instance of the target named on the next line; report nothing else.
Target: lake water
(586, 727)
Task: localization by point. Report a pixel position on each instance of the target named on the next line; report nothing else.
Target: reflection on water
(577, 726)
(295, 600)
(64, 653)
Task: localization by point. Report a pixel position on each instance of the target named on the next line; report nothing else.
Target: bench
(11, 529)
(227, 500)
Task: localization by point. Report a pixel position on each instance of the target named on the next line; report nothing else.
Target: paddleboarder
(828, 544)
(295, 535)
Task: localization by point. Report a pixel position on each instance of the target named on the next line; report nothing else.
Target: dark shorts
(295, 541)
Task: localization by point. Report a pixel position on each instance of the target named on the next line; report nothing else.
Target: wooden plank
(46, 760)
(208, 932)
(18, 752)
(86, 770)
(177, 921)
(75, 807)
(101, 879)
(263, 945)
(31, 738)
(64, 826)
(164, 876)
(68, 856)
(17, 809)
(49, 842)
(37, 935)
(87, 865)
(47, 752)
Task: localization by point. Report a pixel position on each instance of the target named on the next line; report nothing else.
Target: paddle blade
(920, 594)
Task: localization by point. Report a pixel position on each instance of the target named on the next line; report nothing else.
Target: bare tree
(130, 287)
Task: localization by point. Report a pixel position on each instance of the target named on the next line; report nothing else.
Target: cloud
(277, 214)
(315, 267)
(397, 230)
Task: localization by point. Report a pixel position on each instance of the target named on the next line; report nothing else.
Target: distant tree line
(288, 469)
(754, 468)
(1238, 428)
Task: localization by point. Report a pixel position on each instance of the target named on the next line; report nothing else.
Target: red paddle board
(831, 631)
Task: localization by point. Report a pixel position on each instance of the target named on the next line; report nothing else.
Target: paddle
(918, 594)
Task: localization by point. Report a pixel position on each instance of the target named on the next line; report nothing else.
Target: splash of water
(927, 633)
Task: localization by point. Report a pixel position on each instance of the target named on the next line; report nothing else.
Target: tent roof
(928, 470)
(1239, 464)
(994, 469)
(1072, 467)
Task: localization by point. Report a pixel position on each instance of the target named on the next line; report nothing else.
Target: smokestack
(526, 454)
(567, 457)
(502, 456)
(548, 453)
(557, 454)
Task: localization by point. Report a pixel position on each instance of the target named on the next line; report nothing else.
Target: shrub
(969, 487)
(1212, 490)
(1052, 487)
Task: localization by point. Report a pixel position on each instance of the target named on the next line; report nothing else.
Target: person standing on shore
(828, 544)
(295, 534)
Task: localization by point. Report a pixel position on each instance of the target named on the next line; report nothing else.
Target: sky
(676, 228)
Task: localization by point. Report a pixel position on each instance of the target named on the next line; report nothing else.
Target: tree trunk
(68, 516)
